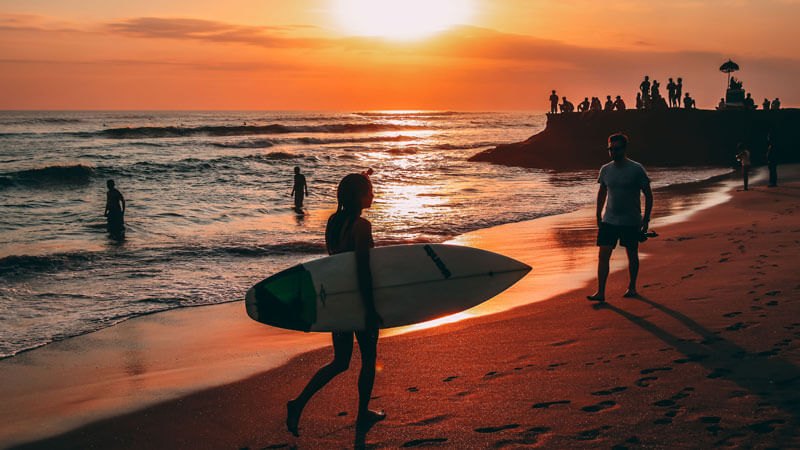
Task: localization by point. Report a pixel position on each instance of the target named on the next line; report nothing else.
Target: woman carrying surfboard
(348, 231)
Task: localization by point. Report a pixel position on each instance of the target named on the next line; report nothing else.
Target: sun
(400, 19)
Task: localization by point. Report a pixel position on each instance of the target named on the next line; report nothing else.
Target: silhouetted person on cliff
(584, 105)
(115, 211)
(621, 182)
(721, 104)
(772, 162)
(639, 102)
(671, 87)
(743, 156)
(765, 105)
(749, 103)
(654, 93)
(567, 106)
(619, 104)
(645, 88)
(609, 105)
(688, 102)
(776, 104)
(596, 105)
(678, 91)
(553, 102)
(300, 189)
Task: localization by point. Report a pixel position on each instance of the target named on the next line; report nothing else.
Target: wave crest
(244, 130)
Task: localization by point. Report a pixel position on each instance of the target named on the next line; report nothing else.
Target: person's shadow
(760, 373)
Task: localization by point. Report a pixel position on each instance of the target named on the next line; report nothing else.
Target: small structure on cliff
(734, 94)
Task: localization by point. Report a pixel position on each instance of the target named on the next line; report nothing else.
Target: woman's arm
(362, 232)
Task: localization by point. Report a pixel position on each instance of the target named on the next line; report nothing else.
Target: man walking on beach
(621, 181)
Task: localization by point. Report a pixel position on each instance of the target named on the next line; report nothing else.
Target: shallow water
(208, 207)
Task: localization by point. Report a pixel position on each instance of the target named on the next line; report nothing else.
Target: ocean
(208, 206)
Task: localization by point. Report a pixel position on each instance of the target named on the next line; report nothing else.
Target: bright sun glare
(401, 19)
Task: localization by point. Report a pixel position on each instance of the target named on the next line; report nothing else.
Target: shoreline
(607, 376)
(249, 361)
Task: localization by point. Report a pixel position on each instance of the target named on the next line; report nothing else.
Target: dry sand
(707, 356)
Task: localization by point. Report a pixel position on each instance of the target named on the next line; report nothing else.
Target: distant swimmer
(743, 156)
(553, 102)
(609, 105)
(621, 182)
(584, 105)
(115, 210)
(619, 104)
(300, 189)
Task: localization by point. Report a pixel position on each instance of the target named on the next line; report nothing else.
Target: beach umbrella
(729, 67)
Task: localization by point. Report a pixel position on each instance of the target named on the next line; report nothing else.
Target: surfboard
(411, 283)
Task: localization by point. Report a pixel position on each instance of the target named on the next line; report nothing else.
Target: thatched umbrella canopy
(729, 67)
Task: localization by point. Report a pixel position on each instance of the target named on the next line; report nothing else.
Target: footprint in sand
(772, 303)
(644, 381)
(687, 276)
(421, 442)
(413, 389)
(773, 293)
(496, 429)
(342, 414)
(611, 391)
(720, 372)
(662, 421)
(449, 379)
(526, 438)
(732, 314)
(431, 420)
(700, 267)
(722, 260)
(606, 404)
(549, 404)
(765, 427)
(590, 435)
(559, 344)
(655, 369)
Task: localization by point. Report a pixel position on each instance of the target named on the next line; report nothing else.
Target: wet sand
(707, 355)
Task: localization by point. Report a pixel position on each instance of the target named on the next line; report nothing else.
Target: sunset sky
(432, 54)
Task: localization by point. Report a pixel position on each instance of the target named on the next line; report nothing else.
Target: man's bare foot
(630, 293)
(596, 297)
(292, 417)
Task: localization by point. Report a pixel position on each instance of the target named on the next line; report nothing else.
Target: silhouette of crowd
(649, 98)
(594, 104)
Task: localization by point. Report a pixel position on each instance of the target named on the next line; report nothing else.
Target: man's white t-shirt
(624, 183)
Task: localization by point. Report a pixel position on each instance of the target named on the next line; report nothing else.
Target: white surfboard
(411, 284)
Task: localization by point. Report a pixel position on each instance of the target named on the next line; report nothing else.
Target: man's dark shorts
(628, 236)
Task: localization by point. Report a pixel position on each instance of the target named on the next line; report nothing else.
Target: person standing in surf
(348, 231)
(115, 210)
(300, 189)
(621, 181)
